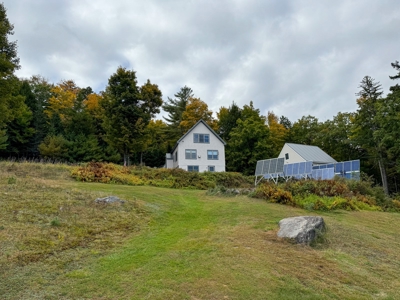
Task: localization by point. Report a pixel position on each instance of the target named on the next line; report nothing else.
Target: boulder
(109, 200)
(303, 230)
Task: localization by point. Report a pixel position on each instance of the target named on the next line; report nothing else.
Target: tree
(396, 66)
(10, 101)
(9, 63)
(278, 133)
(54, 147)
(305, 131)
(64, 99)
(196, 109)
(248, 143)
(227, 118)
(127, 110)
(37, 92)
(156, 141)
(366, 124)
(334, 137)
(175, 108)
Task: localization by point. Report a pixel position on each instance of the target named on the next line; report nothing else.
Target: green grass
(180, 244)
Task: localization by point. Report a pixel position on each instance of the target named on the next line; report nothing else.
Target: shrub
(171, 178)
(273, 193)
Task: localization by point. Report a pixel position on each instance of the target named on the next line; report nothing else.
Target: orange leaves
(197, 109)
(92, 102)
(63, 99)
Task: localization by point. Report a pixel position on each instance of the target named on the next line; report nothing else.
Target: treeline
(62, 121)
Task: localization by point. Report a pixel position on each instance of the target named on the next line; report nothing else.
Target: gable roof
(194, 126)
(311, 153)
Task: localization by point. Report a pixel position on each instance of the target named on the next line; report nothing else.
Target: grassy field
(56, 243)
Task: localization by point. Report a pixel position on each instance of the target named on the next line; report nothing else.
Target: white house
(294, 153)
(198, 150)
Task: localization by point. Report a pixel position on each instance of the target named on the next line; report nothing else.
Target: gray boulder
(303, 230)
(109, 200)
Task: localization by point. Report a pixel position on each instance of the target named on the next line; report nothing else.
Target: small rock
(303, 230)
(109, 200)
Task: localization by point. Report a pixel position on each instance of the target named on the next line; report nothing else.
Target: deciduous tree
(196, 109)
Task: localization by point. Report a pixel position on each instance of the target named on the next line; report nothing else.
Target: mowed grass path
(203, 247)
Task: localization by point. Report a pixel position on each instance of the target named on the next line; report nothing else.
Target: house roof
(194, 126)
(311, 153)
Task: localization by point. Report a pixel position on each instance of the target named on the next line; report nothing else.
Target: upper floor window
(212, 154)
(176, 156)
(191, 154)
(201, 138)
(286, 156)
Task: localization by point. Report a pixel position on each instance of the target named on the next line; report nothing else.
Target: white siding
(293, 156)
(201, 160)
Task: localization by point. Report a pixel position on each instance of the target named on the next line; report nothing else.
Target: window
(193, 168)
(176, 156)
(201, 138)
(287, 156)
(212, 154)
(190, 154)
(211, 168)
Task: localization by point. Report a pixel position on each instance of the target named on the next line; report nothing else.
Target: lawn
(55, 243)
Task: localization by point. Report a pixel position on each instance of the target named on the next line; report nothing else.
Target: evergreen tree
(127, 110)
(367, 124)
(227, 120)
(10, 101)
(248, 143)
(37, 92)
(175, 108)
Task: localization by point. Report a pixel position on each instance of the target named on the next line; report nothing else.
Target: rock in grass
(109, 200)
(303, 230)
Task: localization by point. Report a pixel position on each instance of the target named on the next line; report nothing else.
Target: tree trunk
(383, 175)
(125, 159)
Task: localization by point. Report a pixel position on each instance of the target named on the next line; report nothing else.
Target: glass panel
(355, 165)
(280, 164)
(265, 169)
(295, 169)
(259, 168)
(339, 168)
(308, 167)
(272, 166)
(289, 171)
(347, 166)
(302, 168)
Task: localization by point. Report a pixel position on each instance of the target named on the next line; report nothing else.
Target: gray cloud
(295, 58)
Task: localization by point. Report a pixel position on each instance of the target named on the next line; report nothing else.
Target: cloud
(295, 58)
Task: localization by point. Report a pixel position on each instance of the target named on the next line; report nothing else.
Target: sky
(293, 57)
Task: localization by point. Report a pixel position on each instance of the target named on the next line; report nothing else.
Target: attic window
(287, 156)
(201, 138)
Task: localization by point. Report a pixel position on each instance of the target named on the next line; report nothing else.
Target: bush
(171, 178)
(273, 193)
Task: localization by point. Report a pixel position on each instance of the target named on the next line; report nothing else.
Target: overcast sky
(293, 57)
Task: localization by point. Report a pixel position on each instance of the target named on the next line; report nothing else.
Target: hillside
(56, 243)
